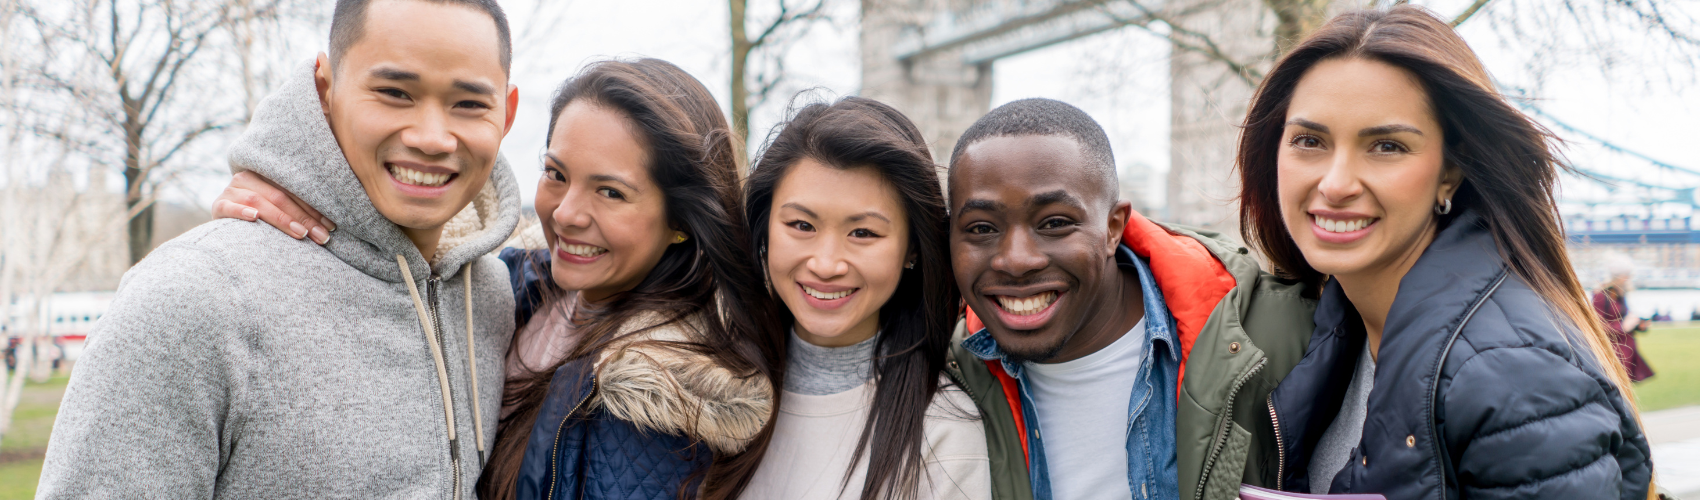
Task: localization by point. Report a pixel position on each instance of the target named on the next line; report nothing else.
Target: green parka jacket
(1241, 330)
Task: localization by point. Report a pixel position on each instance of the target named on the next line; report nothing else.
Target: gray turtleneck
(820, 371)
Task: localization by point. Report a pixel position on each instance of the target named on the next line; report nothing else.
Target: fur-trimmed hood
(656, 386)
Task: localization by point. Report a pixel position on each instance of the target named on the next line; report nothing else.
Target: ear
(322, 81)
(1451, 177)
(513, 105)
(1120, 213)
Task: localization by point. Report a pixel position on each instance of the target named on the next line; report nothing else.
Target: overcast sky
(1130, 98)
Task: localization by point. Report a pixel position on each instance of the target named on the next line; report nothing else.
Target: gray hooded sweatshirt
(238, 362)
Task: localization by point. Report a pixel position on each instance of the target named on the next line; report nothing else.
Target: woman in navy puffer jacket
(1455, 354)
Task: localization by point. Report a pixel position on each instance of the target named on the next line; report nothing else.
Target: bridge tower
(933, 59)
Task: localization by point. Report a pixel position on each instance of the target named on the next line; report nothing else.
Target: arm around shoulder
(146, 405)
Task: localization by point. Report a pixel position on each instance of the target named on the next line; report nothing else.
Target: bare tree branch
(1471, 11)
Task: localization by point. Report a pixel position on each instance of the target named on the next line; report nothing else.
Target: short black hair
(1047, 117)
(348, 24)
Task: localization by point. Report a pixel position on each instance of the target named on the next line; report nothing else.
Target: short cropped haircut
(1048, 117)
(348, 25)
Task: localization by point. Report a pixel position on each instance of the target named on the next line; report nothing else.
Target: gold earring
(679, 237)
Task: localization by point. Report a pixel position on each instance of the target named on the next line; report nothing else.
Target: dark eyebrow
(610, 178)
(395, 74)
(864, 215)
(1388, 129)
(1308, 124)
(979, 204)
(1054, 197)
(799, 208)
(475, 87)
(557, 161)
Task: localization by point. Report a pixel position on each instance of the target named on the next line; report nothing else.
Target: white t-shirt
(1083, 417)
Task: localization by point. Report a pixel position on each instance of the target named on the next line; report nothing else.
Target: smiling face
(836, 246)
(1033, 244)
(1360, 169)
(603, 214)
(419, 106)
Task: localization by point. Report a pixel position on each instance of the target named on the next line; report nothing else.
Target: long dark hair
(915, 324)
(693, 157)
(1510, 164)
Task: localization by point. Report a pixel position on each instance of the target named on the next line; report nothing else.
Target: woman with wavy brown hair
(1455, 354)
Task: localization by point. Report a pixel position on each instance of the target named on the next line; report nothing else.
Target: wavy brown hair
(693, 157)
(1510, 163)
(915, 323)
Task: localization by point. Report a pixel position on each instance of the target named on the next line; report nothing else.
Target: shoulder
(646, 379)
(1518, 366)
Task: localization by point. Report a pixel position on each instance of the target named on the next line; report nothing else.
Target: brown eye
(1387, 147)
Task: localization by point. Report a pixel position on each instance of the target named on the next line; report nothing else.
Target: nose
(430, 133)
(571, 212)
(1340, 184)
(1019, 255)
(827, 259)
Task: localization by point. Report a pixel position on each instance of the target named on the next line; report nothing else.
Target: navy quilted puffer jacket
(1481, 392)
(577, 452)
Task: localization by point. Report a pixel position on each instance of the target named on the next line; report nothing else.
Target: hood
(658, 387)
(289, 142)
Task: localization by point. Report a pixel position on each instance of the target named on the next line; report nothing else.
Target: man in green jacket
(1099, 323)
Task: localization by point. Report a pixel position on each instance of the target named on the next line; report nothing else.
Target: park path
(1675, 436)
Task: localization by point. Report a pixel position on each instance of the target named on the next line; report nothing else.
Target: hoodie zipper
(1280, 448)
(437, 326)
(555, 449)
(1227, 425)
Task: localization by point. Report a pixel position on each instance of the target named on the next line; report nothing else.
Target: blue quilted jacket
(580, 453)
(581, 448)
(1479, 393)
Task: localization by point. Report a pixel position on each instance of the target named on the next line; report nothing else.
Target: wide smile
(578, 252)
(1341, 229)
(827, 297)
(1027, 312)
(420, 180)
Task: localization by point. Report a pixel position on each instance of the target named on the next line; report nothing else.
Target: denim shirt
(1151, 464)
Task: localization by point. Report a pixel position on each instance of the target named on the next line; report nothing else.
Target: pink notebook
(1249, 492)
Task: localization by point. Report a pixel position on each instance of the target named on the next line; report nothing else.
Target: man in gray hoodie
(237, 361)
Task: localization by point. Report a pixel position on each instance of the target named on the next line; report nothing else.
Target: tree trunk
(135, 179)
(1296, 19)
(740, 57)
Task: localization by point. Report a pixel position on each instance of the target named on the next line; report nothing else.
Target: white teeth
(417, 178)
(1342, 226)
(1028, 305)
(826, 296)
(583, 250)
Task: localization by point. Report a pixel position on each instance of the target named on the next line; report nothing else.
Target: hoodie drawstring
(442, 367)
(472, 366)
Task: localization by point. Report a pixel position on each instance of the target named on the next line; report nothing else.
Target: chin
(1039, 347)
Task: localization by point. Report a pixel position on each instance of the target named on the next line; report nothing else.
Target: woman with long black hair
(1455, 354)
(849, 223)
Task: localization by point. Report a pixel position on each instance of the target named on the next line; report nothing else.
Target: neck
(425, 239)
(1119, 316)
(862, 330)
(1372, 291)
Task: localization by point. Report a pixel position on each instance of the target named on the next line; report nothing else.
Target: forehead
(1360, 91)
(448, 40)
(1018, 167)
(843, 191)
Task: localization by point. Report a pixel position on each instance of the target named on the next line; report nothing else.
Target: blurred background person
(1610, 304)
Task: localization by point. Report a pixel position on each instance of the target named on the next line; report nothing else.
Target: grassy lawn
(1674, 354)
(20, 453)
